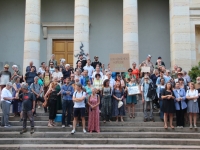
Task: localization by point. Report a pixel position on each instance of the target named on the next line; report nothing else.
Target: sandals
(172, 127)
(104, 121)
(130, 116)
(165, 127)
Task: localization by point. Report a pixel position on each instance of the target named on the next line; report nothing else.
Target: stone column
(81, 27)
(181, 53)
(32, 33)
(130, 30)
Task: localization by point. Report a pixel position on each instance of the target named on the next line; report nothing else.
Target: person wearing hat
(159, 62)
(147, 100)
(28, 107)
(149, 63)
(6, 100)
(5, 76)
(82, 60)
(96, 61)
(180, 75)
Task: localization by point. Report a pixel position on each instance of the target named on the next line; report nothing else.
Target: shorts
(79, 112)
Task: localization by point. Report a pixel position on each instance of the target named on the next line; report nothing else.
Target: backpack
(151, 91)
(82, 94)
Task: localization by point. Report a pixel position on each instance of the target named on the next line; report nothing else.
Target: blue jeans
(161, 112)
(67, 105)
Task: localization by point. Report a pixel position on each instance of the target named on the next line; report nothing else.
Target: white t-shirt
(41, 70)
(79, 95)
(94, 73)
(51, 70)
(59, 75)
(5, 93)
(90, 70)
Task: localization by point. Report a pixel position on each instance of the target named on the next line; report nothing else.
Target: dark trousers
(67, 105)
(29, 115)
(180, 117)
(161, 112)
(52, 109)
(41, 99)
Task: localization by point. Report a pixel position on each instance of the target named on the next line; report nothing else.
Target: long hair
(104, 83)
(120, 87)
(53, 85)
(170, 85)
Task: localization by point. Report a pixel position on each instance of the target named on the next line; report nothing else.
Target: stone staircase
(131, 134)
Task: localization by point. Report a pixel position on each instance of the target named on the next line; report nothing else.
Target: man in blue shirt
(67, 103)
(85, 78)
(161, 76)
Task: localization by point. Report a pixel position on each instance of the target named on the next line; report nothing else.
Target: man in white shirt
(97, 71)
(79, 106)
(6, 99)
(89, 68)
(109, 77)
(42, 68)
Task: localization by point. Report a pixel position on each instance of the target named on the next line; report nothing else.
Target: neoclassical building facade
(32, 30)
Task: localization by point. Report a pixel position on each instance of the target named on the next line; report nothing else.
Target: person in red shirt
(135, 71)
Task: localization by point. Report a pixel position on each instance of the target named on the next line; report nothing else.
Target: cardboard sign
(145, 69)
(119, 62)
(134, 90)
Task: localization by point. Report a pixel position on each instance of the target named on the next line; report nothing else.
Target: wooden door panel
(63, 49)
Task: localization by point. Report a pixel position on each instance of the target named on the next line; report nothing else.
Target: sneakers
(23, 131)
(191, 126)
(21, 120)
(69, 125)
(32, 131)
(63, 126)
(7, 126)
(73, 131)
(152, 120)
(84, 131)
(195, 126)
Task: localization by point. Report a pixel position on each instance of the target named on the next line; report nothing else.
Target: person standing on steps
(67, 103)
(193, 108)
(52, 101)
(106, 101)
(93, 120)
(118, 95)
(79, 106)
(168, 106)
(180, 104)
(28, 107)
(147, 100)
(131, 100)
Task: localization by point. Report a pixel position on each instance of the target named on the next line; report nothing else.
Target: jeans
(29, 115)
(146, 103)
(67, 105)
(5, 106)
(161, 112)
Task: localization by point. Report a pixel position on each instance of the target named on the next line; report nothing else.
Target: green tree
(194, 72)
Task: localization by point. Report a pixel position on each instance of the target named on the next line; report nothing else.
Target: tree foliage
(195, 72)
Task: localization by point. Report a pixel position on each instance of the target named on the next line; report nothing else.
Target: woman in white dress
(193, 108)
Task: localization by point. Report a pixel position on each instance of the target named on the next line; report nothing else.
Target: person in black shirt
(83, 61)
(28, 107)
(94, 64)
(159, 62)
(67, 72)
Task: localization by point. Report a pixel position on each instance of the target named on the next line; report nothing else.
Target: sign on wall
(119, 62)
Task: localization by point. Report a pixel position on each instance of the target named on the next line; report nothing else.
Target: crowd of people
(93, 88)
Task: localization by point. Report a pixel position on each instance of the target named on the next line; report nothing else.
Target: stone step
(41, 114)
(128, 123)
(96, 146)
(101, 135)
(93, 141)
(103, 129)
(126, 118)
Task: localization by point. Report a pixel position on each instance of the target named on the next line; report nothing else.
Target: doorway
(64, 49)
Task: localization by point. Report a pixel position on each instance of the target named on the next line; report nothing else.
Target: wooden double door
(64, 49)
